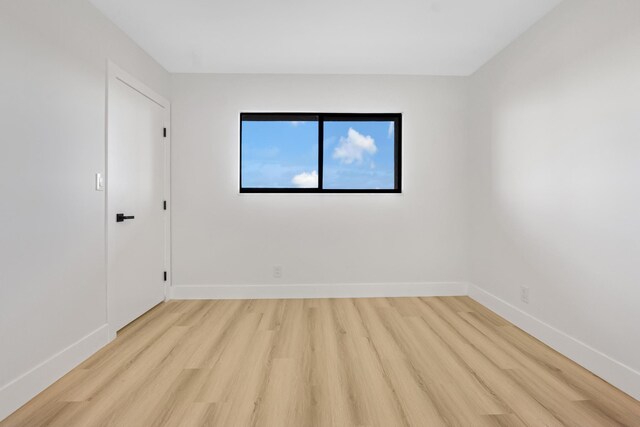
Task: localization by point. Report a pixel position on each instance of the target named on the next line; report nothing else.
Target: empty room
(320, 213)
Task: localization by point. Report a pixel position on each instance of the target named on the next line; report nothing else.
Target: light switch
(99, 182)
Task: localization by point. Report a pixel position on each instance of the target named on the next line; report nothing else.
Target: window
(320, 153)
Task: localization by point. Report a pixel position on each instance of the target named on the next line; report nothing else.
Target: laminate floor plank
(442, 361)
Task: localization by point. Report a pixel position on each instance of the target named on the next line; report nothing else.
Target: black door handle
(121, 217)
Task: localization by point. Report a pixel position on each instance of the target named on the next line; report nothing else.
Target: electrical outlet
(524, 294)
(277, 272)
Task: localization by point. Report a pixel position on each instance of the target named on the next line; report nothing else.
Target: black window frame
(329, 117)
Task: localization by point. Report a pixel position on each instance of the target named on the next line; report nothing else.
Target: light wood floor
(348, 362)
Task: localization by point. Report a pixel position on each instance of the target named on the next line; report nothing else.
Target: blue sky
(357, 155)
(273, 153)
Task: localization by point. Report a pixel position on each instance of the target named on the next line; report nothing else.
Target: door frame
(116, 75)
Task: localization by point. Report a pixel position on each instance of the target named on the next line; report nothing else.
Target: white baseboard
(24, 388)
(612, 371)
(333, 290)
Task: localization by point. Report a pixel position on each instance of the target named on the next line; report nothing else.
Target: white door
(135, 196)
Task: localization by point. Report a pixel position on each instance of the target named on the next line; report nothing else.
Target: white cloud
(390, 131)
(306, 180)
(296, 124)
(354, 146)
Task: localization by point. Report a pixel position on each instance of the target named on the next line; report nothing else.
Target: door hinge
(164, 205)
(165, 276)
(164, 132)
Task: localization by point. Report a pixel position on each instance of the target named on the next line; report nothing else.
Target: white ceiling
(434, 37)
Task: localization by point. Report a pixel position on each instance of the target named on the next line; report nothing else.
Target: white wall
(223, 238)
(555, 135)
(52, 234)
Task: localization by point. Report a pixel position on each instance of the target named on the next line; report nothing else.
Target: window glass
(359, 155)
(280, 154)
